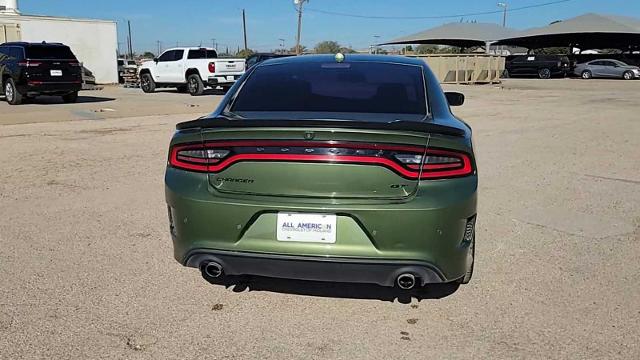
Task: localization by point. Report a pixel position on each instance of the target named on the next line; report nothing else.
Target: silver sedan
(607, 68)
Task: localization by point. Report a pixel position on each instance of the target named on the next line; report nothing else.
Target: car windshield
(321, 89)
(44, 52)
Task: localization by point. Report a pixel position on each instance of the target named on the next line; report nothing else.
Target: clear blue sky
(190, 22)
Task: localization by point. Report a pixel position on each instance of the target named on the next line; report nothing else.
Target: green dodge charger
(327, 168)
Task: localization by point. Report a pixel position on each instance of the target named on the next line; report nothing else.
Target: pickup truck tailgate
(229, 66)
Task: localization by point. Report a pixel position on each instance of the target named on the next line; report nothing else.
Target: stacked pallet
(130, 76)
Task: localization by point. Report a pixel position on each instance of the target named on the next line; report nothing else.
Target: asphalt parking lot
(86, 266)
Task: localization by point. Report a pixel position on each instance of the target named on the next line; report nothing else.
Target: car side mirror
(156, 60)
(454, 98)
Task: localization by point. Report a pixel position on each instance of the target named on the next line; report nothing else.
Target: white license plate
(56, 72)
(231, 78)
(316, 228)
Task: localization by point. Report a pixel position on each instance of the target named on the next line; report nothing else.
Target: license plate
(56, 72)
(315, 228)
(231, 78)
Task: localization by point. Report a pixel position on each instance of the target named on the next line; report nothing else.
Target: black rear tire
(70, 98)
(11, 92)
(196, 86)
(147, 84)
(544, 73)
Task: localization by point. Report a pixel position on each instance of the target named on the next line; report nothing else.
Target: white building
(95, 42)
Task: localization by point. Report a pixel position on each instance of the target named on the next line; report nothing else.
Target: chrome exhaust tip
(406, 281)
(212, 270)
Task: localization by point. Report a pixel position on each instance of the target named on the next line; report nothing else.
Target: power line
(436, 16)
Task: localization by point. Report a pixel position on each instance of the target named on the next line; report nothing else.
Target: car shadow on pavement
(51, 100)
(335, 290)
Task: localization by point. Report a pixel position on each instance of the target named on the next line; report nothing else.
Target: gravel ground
(86, 267)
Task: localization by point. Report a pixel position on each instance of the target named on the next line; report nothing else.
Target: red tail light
(28, 63)
(439, 163)
(406, 161)
(212, 67)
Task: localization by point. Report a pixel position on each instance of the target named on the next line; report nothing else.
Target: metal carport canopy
(457, 34)
(589, 31)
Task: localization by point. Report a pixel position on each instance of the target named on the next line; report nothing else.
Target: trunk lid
(51, 71)
(329, 163)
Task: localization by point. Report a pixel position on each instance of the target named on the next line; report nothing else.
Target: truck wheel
(196, 87)
(11, 93)
(70, 98)
(147, 84)
(587, 74)
(628, 75)
(544, 73)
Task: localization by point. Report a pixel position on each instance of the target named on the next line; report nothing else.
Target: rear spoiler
(222, 122)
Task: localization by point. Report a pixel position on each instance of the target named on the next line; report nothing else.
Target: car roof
(347, 58)
(22, 43)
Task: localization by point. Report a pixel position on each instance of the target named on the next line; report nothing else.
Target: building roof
(588, 31)
(457, 34)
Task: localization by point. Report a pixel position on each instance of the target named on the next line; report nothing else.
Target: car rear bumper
(424, 230)
(223, 80)
(381, 272)
(49, 88)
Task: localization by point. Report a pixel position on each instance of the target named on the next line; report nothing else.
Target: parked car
(33, 69)
(541, 66)
(260, 57)
(332, 169)
(607, 68)
(190, 69)
(122, 65)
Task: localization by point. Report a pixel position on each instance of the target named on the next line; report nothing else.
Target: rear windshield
(359, 87)
(202, 54)
(49, 52)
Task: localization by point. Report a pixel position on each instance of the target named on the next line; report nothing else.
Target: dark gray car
(607, 68)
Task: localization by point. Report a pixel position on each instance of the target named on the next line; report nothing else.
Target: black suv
(32, 69)
(542, 66)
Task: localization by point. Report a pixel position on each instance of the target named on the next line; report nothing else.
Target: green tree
(149, 55)
(245, 53)
(347, 50)
(327, 47)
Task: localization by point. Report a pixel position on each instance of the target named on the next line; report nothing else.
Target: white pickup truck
(190, 69)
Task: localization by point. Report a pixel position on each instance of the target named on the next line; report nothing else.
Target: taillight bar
(407, 161)
(28, 63)
(212, 67)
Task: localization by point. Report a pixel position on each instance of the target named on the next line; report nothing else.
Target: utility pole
(159, 43)
(244, 30)
(130, 41)
(281, 45)
(504, 5)
(299, 3)
(377, 40)
(213, 44)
